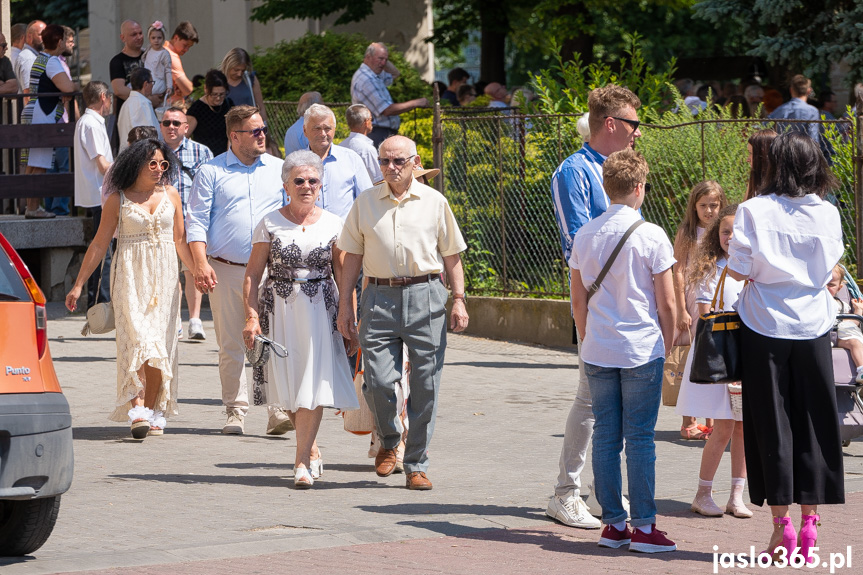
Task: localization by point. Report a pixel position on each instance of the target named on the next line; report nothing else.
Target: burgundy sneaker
(613, 538)
(655, 542)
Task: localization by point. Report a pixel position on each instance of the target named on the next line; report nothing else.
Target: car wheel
(26, 525)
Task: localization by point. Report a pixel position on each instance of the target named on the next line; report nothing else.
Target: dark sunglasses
(312, 181)
(161, 166)
(397, 162)
(175, 123)
(3, 44)
(257, 132)
(646, 188)
(633, 123)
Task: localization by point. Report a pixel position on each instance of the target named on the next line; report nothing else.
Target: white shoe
(235, 424)
(302, 478)
(279, 423)
(598, 508)
(572, 511)
(859, 379)
(196, 329)
(317, 467)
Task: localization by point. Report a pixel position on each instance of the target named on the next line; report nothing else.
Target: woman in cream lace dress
(144, 283)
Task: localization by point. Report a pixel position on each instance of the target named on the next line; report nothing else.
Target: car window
(11, 285)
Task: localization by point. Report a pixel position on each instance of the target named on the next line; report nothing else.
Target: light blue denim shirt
(227, 201)
(345, 178)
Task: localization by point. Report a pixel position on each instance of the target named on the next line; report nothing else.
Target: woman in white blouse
(786, 242)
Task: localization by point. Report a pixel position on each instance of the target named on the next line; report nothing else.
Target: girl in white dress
(158, 61)
(712, 400)
(148, 217)
(705, 201)
(297, 306)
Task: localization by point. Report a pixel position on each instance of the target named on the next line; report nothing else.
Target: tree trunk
(494, 26)
(581, 44)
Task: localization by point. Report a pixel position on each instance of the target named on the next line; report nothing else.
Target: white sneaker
(572, 511)
(859, 379)
(598, 508)
(196, 329)
(279, 423)
(235, 424)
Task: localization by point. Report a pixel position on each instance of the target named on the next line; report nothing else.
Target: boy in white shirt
(849, 334)
(628, 327)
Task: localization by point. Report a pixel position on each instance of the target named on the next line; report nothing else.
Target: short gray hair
(299, 159)
(357, 115)
(370, 51)
(318, 111)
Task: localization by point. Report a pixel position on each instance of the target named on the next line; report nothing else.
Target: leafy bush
(326, 63)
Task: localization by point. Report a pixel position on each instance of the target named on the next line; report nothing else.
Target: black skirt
(790, 421)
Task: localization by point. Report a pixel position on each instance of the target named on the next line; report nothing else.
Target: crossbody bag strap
(720, 291)
(595, 286)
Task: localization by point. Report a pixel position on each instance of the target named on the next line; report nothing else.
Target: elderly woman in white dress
(297, 306)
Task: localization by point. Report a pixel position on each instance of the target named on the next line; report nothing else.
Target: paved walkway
(195, 501)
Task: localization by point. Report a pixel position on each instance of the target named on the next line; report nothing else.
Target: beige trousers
(229, 319)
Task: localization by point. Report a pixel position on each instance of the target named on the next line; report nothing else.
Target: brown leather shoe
(418, 480)
(385, 462)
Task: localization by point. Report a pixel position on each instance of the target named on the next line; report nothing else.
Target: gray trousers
(576, 438)
(389, 317)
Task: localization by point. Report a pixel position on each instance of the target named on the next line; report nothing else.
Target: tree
(798, 36)
(72, 13)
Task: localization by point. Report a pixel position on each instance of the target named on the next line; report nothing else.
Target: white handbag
(100, 317)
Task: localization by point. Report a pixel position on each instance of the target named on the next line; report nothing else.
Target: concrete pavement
(195, 501)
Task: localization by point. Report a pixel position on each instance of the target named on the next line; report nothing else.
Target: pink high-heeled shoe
(809, 536)
(789, 538)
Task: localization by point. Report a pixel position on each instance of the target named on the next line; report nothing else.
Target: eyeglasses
(633, 123)
(161, 166)
(3, 45)
(312, 181)
(397, 162)
(646, 188)
(175, 123)
(218, 94)
(256, 133)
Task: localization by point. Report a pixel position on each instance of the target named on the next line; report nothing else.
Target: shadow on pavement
(84, 359)
(120, 432)
(246, 480)
(513, 365)
(454, 508)
(199, 400)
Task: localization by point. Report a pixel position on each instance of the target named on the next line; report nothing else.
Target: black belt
(229, 262)
(401, 282)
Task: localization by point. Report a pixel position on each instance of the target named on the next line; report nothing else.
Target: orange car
(36, 460)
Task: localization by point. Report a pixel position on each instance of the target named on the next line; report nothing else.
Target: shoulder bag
(100, 317)
(595, 285)
(716, 347)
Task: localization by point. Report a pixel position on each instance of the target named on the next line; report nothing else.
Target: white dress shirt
(136, 111)
(622, 320)
(91, 140)
(788, 248)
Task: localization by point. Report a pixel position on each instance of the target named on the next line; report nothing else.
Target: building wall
(225, 24)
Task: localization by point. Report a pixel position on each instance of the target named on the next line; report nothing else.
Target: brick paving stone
(195, 501)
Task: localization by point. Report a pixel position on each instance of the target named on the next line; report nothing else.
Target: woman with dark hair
(786, 241)
(758, 160)
(206, 116)
(49, 75)
(148, 217)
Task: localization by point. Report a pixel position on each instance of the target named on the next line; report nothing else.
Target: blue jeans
(625, 405)
(59, 206)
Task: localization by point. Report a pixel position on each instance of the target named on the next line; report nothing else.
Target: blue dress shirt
(345, 178)
(577, 194)
(797, 109)
(295, 138)
(229, 199)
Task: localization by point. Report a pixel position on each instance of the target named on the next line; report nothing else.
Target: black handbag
(716, 349)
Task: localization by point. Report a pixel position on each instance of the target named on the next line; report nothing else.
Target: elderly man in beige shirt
(402, 234)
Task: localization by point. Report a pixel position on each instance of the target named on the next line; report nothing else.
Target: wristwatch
(461, 296)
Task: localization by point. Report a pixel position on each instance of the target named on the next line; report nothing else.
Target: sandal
(302, 478)
(705, 430)
(155, 430)
(140, 428)
(693, 433)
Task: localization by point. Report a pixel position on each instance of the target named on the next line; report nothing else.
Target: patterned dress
(301, 315)
(146, 296)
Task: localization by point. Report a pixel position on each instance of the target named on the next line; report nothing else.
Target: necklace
(300, 223)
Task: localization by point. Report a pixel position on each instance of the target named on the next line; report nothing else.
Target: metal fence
(497, 171)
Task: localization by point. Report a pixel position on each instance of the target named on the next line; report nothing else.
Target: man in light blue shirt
(295, 139)
(797, 108)
(578, 197)
(345, 175)
(359, 120)
(230, 195)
